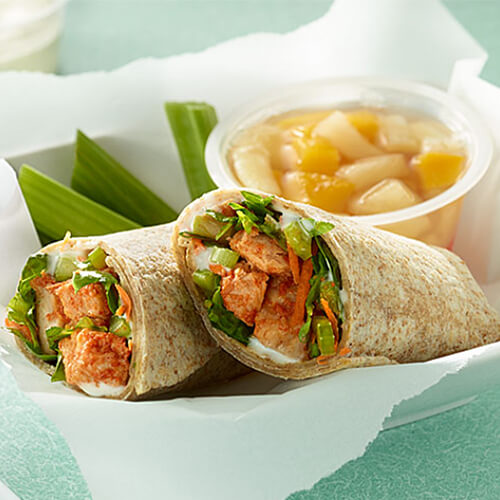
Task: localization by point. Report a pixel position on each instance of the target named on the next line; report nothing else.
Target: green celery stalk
(191, 124)
(101, 178)
(56, 209)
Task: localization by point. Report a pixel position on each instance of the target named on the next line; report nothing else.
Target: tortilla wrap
(172, 351)
(404, 301)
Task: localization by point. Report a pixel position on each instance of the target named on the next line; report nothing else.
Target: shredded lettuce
(225, 320)
(85, 277)
(21, 308)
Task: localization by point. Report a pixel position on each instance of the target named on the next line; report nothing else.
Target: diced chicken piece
(272, 327)
(395, 135)
(387, 195)
(345, 137)
(90, 301)
(95, 357)
(49, 310)
(368, 171)
(261, 252)
(243, 292)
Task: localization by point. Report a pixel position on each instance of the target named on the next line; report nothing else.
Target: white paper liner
(275, 437)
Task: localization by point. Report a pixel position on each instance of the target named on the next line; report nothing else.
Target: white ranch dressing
(343, 295)
(287, 216)
(267, 352)
(202, 258)
(102, 389)
(53, 257)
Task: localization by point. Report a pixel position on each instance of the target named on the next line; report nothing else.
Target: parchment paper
(258, 437)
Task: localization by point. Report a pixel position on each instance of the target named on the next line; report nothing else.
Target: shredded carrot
(323, 360)
(314, 248)
(333, 320)
(302, 291)
(218, 269)
(294, 264)
(127, 303)
(344, 351)
(120, 310)
(198, 245)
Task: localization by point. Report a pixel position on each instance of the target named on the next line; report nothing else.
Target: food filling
(268, 278)
(71, 312)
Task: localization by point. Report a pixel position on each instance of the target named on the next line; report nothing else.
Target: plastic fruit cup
(433, 221)
(29, 34)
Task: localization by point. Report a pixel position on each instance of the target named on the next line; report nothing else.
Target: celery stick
(191, 124)
(56, 209)
(101, 178)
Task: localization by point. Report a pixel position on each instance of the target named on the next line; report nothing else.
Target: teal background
(452, 455)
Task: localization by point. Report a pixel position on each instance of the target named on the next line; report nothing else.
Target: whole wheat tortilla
(172, 351)
(405, 301)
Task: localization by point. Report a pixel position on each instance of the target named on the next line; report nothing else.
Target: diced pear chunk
(368, 171)
(263, 135)
(311, 118)
(343, 136)
(438, 170)
(426, 129)
(386, 196)
(395, 135)
(365, 122)
(252, 166)
(288, 157)
(450, 145)
(411, 228)
(293, 187)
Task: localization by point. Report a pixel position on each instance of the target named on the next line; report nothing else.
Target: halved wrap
(296, 292)
(111, 316)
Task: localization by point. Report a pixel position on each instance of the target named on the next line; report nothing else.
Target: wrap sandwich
(111, 317)
(295, 292)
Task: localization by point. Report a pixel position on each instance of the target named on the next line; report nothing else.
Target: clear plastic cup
(29, 34)
(433, 221)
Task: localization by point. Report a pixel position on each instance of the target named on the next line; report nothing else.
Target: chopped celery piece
(298, 239)
(191, 124)
(224, 257)
(97, 258)
(88, 323)
(206, 280)
(100, 177)
(207, 226)
(119, 326)
(56, 209)
(59, 374)
(324, 333)
(314, 350)
(65, 267)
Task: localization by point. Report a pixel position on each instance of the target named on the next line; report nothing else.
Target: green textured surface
(452, 455)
